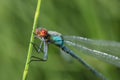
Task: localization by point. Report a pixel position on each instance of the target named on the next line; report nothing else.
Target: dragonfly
(103, 50)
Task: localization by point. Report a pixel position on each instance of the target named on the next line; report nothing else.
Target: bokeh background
(95, 19)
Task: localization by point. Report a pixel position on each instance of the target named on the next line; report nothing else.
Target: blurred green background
(95, 19)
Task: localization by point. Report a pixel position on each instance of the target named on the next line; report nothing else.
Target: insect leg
(37, 48)
(34, 58)
(45, 51)
(40, 46)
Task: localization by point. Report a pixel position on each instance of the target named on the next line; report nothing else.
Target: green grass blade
(25, 73)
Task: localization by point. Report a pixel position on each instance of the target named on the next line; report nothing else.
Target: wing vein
(97, 54)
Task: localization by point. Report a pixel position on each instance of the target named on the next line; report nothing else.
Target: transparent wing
(109, 47)
(88, 46)
(45, 50)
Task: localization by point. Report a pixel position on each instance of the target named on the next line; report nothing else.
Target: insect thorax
(56, 38)
(54, 33)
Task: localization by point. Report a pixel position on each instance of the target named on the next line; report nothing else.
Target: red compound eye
(41, 32)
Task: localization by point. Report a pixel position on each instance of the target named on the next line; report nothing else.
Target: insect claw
(31, 42)
(34, 33)
(30, 61)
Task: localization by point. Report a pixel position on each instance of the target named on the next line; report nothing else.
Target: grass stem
(25, 73)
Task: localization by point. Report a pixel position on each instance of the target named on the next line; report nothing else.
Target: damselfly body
(83, 44)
